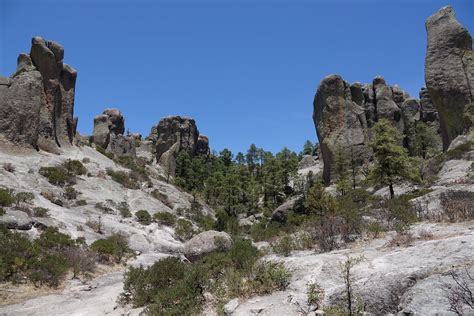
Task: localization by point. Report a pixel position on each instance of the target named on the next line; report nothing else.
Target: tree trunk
(392, 193)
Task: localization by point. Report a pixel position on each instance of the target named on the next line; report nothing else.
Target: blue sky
(246, 71)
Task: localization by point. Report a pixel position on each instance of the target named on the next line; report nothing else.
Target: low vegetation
(111, 249)
(143, 217)
(172, 287)
(165, 218)
(128, 179)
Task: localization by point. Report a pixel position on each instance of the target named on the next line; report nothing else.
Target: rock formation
(344, 114)
(340, 121)
(37, 102)
(108, 133)
(174, 134)
(449, 73)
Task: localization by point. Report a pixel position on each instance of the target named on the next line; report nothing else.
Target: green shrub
(162, 197)
(111, 249)
(40, 212)
(143, 217)
(165, 218)
(125, 212)
(70, 193)
(104, 152)
(400, 213)
(104, 208)
(57, 175)
(459, 151)
(269, 277)
(127, 179)
(284, 246)
(137, 165)
(6, 197)
(74, 167)
(184, 229)
(23, 197)
(264, 230)
(2, 211)
(374, 229)
(81, 202)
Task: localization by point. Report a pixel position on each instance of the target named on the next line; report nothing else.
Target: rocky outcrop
(449, 73)
(108, 134)
(205, 243)
(174, 134)
(37, 102)
(339, 120)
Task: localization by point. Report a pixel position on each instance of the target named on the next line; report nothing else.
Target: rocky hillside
(119, 224)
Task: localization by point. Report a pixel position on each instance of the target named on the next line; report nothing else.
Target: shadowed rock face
(174, 134)
(37, 102)
(449, 73)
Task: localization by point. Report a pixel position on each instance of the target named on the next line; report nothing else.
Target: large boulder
(37, 102)
(101, 131)
(410, 109)
(449, 73)
(202, 147)
(385, 105)
(340, 122)
(206, 242)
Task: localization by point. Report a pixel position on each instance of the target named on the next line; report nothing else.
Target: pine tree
(426, 140)
(308, 148)
(392, 164)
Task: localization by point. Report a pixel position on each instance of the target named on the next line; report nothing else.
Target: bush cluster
(143, 217)
(44, 261)
(111, 249)
(165, 218)
(172, 287)
(128, 179)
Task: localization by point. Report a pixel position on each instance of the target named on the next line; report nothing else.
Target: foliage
(70, 193)
(100, 149)
(143, 217)
(2, 211)
(74, 167)
(57, 175)
(165, 218)
(40, 212)
(427, 141)
(45, 260)
(315, 295)
(392, 164)
(346, 273)
(172, 287)
(184, 229)
(458, 205)
(127, 179)
(7, 197)
(112, 248)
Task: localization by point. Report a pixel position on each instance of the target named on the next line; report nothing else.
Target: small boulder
(206, 242)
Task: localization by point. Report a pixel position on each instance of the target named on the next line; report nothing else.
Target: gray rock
(202, 147)
(280, 214)
(411, 114)
(449, 73)
(307, 161)
(101, 132)
(340, 122)
(385, 104)
(231, 306)
(122, 146)
(116, 121)
(16, 220)
(206, 242)
(172, 135)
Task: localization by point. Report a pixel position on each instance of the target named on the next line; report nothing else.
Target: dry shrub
(425, 234)
(458, 205)
(401, 240)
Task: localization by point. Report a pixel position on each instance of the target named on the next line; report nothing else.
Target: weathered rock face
(449, 73)
(340, 121)
(37, 102)
(108, 133)
(410, 109)
(174, 134)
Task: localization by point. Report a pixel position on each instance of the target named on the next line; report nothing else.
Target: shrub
(400, 213)
(374, 229)
(2, 211)
(458, 205)
(124, 209)
(81, 202)
(111, 249)
(23, 197)
(162, 197)
(143, 217)
(165, 218)
(86, 160)
(104, 152)
(127, 179)
(70, 193)
(9, 167)
(315, 295)
(104, 208)
(40, 212)
(284, 246)
(6, 197)
(269, 277)
(184, 229)
(138, 166)
(143, 284)
(95, 225)
(74, 167)
(57, 175)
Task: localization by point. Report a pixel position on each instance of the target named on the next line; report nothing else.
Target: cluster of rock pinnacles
(37, 105)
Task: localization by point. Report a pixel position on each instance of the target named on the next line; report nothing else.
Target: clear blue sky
(246, 71)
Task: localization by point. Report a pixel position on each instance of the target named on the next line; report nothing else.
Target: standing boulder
(37, 104)
(410, 109)
(340, 122)
(385, 105)
(101, 132)
(202, 147)
(449, 73)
